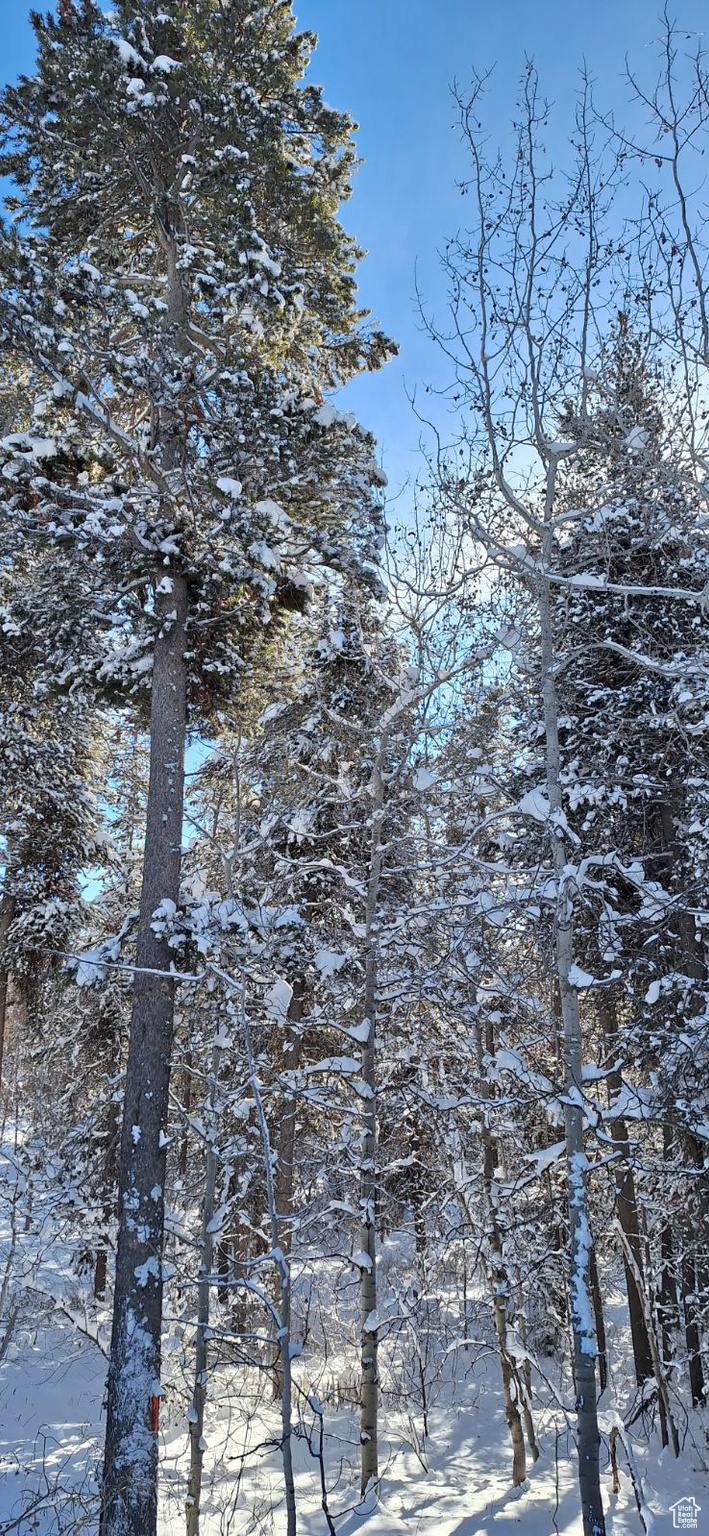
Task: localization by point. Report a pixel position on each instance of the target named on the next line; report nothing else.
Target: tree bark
(626, 1200)
(109, 1174)
(7, 913)
(129, 1490)
(691, 1333)
(600, 1322)
(667, 1423)
(580, 1240)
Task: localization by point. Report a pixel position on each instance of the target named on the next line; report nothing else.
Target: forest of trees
(354, 994)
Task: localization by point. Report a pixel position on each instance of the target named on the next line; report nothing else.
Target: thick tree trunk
(691, 1333)
(129, 1491)
(7, 912)
(627, 1207)
(580, 1239)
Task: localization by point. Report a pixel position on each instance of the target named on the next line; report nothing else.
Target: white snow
(267, 557)
(31, 447)
(230, 487)
(424, 779)
(344, 1064)
(328, 962)
(540, 1161)
(361, 1260)
(150, 1270)
(637, 439)
(579, 978)
(587, 579)
(128, 54)
(535, 804)
(90, 970)
(52, 1383)
(327, 417)
(277, 1001)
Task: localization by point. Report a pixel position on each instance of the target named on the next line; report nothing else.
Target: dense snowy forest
(354, 993)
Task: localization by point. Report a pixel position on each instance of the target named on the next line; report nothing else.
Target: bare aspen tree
(523, 286)
(538, 288)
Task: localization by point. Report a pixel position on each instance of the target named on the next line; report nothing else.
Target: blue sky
(390, 63)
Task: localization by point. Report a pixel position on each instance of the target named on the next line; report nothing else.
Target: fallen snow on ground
(454, 1482)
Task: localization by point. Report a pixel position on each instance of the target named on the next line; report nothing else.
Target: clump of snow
(587, 580)
(327, 417)
(150, 1270)
(127, 53)
(535, 804)
(328, 962)
(231, 488)
(277, 1001)
(424, 779)
(579, 978)
(90, 970)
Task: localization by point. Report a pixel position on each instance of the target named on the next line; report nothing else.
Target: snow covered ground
(456, 1482)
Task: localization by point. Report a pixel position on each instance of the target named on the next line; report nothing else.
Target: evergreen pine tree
(180, 293)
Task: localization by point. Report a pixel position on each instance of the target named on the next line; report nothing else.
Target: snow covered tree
(49, 822)
(179, 290)
(632, 783)
(523, 288)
